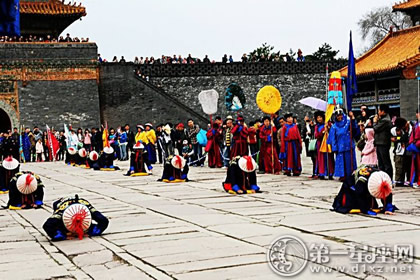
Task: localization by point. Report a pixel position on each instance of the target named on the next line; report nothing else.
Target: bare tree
(375, 24)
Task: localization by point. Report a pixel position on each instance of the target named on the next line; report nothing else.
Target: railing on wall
(237, 68)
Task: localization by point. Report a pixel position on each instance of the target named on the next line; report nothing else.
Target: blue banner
(351, 85)
(9, 18)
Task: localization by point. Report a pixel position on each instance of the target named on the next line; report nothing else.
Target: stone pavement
(197, 231)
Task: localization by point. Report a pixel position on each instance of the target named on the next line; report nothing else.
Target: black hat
(288, 115)
(319, 113)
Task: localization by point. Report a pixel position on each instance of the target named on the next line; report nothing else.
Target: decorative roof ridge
(409, 4)
(380, 43)
(51, 7)
(387, 36)
(409, 60)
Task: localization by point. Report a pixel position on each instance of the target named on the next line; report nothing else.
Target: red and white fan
(10, 163)
(83, 153)
(247, 164)
(93, 156)
(26, 184)
(72, 151)
(77, 219)
(380, 184)
(178, 162)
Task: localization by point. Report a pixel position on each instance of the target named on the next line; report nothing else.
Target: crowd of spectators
(372, 135)
(164, 59)
(40, 39)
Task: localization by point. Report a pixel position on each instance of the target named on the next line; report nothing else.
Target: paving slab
(196, 230)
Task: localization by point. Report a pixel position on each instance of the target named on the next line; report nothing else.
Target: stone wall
(293, 87)
(50, 83)
(125, 98)
(11, 53)
(74, 102)
(294, 80)
(408, 99)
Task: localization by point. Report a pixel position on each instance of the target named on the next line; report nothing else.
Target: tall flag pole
(351, 82)
(351, 90)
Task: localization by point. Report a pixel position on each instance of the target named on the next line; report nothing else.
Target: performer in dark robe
(26, 191)
(71, 156)
(73, 216)
(175, 170)
(241, 176)
(139, 161)
(8, 168)
(291, 147)
(92, 159)
(268, 150)
(359, 192)
(214, 137)
(106, 160)
(81, 157)
(240, 137)
(324, 161)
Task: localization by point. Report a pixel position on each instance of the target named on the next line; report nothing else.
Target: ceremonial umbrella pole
(269, 101)
(325, 118)
(272, 144)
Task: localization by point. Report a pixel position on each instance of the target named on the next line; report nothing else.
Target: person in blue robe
(342, 143)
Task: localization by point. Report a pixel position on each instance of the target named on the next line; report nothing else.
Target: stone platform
(195, 230)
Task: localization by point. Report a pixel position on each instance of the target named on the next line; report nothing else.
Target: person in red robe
(252, 140)
(214, 137)
(240, 135)
(291, 147)
(268, 151)
(324, 161)
(414, 147)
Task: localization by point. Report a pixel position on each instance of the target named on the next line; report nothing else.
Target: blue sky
(215, 27)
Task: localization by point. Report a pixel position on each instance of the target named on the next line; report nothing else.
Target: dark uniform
(70, 159)
(55, 227)
(105, 161)
(6, 176)
(239, 181)
(354, 194)
(171, 173)
(18, 199)
(139, 159)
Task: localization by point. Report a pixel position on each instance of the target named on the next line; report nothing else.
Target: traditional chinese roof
(51, 7)
(406, 5)
(398, 50)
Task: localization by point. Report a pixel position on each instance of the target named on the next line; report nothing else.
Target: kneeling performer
(26, 191)
(175, 170)
(241, 177)
(73, 216)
